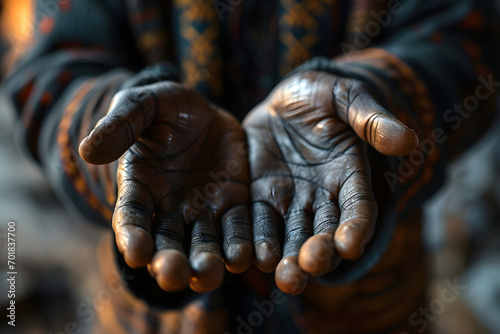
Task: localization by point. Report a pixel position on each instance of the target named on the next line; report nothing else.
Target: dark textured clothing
(431, 63)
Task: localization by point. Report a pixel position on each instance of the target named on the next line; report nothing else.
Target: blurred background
(56, 252)
(57, 274)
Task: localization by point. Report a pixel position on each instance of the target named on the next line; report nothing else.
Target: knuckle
(204, 234)
(132, 208)
(237, 231)
(327, 218)
(372, 124)
(261, 214)
(326, 223)
(357, 86)
(355, 198)
(171, 228)
(235, 222)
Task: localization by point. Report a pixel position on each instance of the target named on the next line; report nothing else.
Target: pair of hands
(193, 197)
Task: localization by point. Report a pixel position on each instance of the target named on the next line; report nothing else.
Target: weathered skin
(182, 183)
(183, 179)
(310, 174)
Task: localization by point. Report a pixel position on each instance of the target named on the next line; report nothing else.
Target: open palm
(310, 177)
(182, 182)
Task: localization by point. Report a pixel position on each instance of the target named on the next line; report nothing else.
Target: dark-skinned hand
(182, 183)
(312, 198)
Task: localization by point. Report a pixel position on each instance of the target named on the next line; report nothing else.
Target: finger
(130, 113)
(238, 250)
(265, 236)
(372, 122)
(289, 278)
(170, 265)
(298, 228)
(132, 222)
(205, 258)
(317, 255)
(358, 213)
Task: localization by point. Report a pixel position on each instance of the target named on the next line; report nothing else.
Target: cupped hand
(182, 183)
(312, 199)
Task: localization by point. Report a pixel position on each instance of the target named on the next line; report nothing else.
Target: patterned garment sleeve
(435, 69)
(60, 89)
(81, 56)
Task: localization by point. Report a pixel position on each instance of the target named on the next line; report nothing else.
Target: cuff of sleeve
(157, 72)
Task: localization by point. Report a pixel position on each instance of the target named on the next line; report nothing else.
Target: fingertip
(350, 240)
(94, 149)
(237, 232)
(105, 143)
(208, 272)
(238, 257)
(393, 137)
(171, 270)
(289, 278)
(149, 267)
(83, 149)
(267, 256)
(90, 151)
(136, 245)
(317, 254)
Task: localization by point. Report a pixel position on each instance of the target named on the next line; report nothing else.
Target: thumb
(372, 122)
(130, 113)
